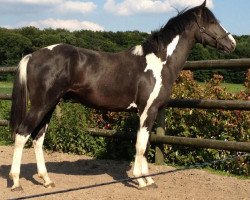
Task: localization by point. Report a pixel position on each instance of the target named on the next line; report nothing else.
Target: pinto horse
(140, 78)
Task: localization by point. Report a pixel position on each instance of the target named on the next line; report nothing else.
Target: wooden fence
(160, 137)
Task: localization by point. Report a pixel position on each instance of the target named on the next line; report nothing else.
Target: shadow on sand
(80, 167)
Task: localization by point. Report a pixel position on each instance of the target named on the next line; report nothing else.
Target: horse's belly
(101, 99)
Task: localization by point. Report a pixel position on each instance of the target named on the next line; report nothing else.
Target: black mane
(175, 26)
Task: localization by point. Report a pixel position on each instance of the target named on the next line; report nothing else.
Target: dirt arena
(81, 177)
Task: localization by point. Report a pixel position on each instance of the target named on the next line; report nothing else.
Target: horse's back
(97, 78)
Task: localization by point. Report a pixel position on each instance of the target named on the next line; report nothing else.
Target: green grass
(6, 87)
(211, 171)
(231, 87)
(223, 173)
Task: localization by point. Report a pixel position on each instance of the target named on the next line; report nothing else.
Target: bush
(210, 124)
(5, 136)
(67, 132)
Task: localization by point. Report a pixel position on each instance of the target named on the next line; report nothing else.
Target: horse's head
(210, 32)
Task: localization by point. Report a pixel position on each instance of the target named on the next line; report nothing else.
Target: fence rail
(4, 122)
(210, 104)
(5, 96)
(243, 63)
(193, 103)
(173, 140)
(160, 137)
(8, 70)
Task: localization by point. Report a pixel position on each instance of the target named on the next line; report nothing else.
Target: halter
(204, 31)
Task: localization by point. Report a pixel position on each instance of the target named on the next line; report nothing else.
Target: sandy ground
(81, 177)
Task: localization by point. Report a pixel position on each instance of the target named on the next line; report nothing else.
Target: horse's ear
(204, 4)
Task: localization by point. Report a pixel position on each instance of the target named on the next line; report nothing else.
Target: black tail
(19, 95)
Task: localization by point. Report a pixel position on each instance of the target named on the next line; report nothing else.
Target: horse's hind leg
(20, 141)
(38, 147)
(32, 120)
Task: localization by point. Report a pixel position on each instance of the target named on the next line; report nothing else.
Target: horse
(138, 79)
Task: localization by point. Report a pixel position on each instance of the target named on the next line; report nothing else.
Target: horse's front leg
(141, 164)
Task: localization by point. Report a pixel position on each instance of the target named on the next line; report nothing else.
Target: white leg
(20, 141)
(141, 144)
(41, 168)
(145, 171)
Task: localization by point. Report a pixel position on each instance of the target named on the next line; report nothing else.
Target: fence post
(160, 131)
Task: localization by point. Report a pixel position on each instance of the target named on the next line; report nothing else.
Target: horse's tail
(19, 95)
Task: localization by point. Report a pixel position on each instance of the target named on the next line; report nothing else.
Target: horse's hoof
(50, 185)
(16, 189)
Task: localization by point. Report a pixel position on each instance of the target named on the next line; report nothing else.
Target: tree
(12, 47)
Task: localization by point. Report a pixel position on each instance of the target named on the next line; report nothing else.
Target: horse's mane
(175, 26)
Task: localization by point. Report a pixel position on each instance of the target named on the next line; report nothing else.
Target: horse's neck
(175, 62)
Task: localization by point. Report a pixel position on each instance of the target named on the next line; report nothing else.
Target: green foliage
(230, 76)
(127, 123)
(5, 87)
(210, 124)
(12, 47)
(14, 43)
(247, 84)
(5, 135)
(67, 132)
(5, 109)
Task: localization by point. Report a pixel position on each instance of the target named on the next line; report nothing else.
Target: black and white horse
(140, 79)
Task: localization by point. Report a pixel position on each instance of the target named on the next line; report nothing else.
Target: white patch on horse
(172, 45)
(51, 47)
(142, 140)
(23, 68)
(141, 144)
(155, 64)
(229, 36)
(132, 105)
(41, 168)
(20, 141)
(138, 50)
(38, 146)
